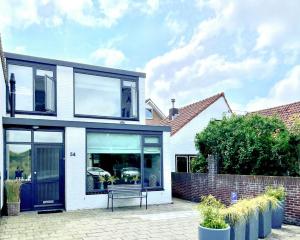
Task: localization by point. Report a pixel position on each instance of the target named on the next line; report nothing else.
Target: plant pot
(265, 223)
(252, 227)
(213, 234)
(238, 231)
(13, 208)
(278, 215)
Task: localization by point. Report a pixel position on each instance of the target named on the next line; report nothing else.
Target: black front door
(48, 176)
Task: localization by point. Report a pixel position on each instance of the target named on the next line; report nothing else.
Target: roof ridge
(276, 107)
(216, 95)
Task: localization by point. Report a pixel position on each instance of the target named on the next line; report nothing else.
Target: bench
(126, 192)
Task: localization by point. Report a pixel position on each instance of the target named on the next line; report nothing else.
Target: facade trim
(72, 64)
(80, 124)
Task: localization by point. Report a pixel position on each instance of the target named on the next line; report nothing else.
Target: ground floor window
(122, 159)
(183, 162)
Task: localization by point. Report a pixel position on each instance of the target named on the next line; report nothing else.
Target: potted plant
(112, 179)
(101, 181)
(213, 225)
(135, 179)
(13, 197)
(277, 213)
(265, 205)
(235, 216)
(251, 216)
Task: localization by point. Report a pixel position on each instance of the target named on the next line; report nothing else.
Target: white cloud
(52, 13)
(241, 43)
(284, 91)
(110, 57)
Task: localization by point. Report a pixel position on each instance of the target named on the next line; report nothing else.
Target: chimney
(173, 111)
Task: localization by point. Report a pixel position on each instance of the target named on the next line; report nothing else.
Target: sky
(189, 49)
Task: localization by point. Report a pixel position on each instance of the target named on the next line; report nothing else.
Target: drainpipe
(12, 95)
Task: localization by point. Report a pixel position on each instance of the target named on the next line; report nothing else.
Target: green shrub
(250, 144)
(13, 190)
(199, 164)
(263, 202)
(276, 192)
(210, 209)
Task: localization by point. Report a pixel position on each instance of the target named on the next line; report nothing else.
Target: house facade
(71, 128)
(154, 115)
(185, 122)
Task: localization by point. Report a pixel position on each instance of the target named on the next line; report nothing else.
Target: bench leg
(141, 201)
(107, 201)
(146, 201)
(112, 203)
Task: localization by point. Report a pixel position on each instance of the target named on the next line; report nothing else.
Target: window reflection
(19, 161)
(152, 167)
(97, 95)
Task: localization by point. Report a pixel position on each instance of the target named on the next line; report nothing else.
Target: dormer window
(35, 87)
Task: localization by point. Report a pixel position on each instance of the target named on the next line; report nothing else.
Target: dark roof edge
(80, 124)
(22, 57)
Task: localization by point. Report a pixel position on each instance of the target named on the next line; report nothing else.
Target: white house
(72, 123)
(185, 122)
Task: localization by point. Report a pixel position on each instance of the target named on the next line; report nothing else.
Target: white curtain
(113, 143)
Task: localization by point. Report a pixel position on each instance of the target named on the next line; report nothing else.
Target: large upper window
(123, 159)
(101, 96)
(35, 88)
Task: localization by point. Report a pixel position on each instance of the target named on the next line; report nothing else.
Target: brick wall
(191, 186)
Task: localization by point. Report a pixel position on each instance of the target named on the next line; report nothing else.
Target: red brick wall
(191, 186)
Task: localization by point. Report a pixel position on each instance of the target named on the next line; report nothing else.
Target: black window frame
(122, 78)
(142, 134)
(34, 67)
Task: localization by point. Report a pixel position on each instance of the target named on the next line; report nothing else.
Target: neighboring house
(153, 114)
(185, 122)
(72, 123)
(287, 113)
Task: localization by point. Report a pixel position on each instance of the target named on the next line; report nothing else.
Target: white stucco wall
(183, 141)
(64, 79)
(75, 170)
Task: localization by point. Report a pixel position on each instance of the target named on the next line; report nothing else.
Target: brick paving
(171, 221)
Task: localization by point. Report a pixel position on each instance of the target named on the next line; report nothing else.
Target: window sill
(34, 113)
(105, 117)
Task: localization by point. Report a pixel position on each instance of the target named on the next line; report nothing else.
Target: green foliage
(263, 202)
(210, 209)
(13, 190)
(102, 179)
(234, 214)
(199, 164)
(276, 192)
(250, 144)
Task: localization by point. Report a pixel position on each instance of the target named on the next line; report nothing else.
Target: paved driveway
(172, 221)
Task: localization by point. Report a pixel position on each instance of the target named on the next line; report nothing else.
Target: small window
(181, 164)
(18, 136)
(48, 137)
(44, 91)
(149, 113)
(151, 140)
(129, 99)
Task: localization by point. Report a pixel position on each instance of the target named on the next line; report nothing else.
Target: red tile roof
(288, 113)
(189, 112)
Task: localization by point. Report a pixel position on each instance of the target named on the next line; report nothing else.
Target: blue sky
(189, 49)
